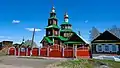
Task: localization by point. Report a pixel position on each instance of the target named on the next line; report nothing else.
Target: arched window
(65, 34)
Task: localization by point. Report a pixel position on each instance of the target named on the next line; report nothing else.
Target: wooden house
(106, 43)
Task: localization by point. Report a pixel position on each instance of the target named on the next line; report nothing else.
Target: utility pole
(33, 37)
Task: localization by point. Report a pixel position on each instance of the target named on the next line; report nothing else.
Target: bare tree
(94, 33)
(115, 30)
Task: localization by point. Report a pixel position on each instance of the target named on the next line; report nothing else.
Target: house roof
(105, 37)
(76, 38)
(52, 26)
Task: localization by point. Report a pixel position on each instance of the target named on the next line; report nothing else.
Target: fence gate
(23, 51)
(68, 52)
(43, 52)
(11, 51)
(83, 53)
(35, 52)
(55, 51)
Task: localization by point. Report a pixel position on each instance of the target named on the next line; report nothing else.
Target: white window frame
(98, 46)
(108, 47)
(115, 46)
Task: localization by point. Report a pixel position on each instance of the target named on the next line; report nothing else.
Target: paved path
(13, 62)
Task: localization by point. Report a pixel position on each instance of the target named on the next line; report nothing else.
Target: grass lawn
(88, 63)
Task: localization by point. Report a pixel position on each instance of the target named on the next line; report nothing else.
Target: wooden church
(64, 35)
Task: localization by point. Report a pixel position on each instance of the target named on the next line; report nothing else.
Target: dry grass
(90, 63)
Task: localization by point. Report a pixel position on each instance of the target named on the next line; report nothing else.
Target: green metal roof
(65, 23)
(62, 38)
(48, 40)
(73, 42)
(52, 26)
(66, 30)
(53, 17)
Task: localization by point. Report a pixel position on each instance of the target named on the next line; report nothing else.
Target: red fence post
(26, 51)
(63, 52)
(39, 51)
(75, 51)
(8, 51)
(18, 51)
(48, 51)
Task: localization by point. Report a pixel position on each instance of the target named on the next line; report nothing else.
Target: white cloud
(15, 21)
(32, 29)
(86, 21)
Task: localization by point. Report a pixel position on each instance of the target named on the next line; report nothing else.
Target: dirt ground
(13, 62)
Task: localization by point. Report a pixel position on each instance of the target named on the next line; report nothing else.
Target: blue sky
(34, 13)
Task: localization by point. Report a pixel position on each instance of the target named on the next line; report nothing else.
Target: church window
(50, 22)
(65, 34)
(56, 32)
(49, 32)
(54, 22)
(68, 27)
(65, 27)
